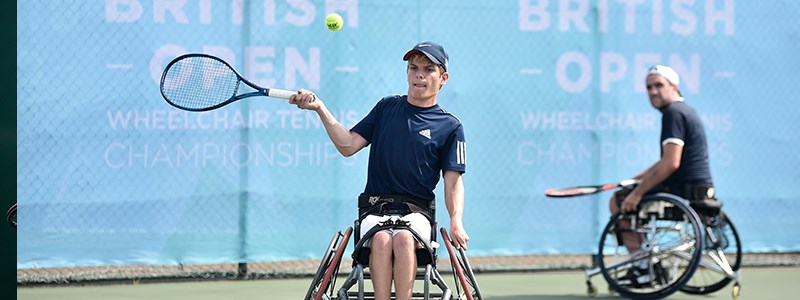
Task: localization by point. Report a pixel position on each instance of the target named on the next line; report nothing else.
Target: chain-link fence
(114, 183)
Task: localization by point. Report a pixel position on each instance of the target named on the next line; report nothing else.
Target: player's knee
(613, 206)
(403, 240)
(616, 200)
(381, 242)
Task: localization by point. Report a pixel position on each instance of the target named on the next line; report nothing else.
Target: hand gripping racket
(201, 82)
(588, 189)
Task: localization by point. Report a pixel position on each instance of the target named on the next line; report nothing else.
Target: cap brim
(431, 57)
(411, 52)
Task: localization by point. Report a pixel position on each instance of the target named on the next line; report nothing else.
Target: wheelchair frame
(694, 252)
(324, 281)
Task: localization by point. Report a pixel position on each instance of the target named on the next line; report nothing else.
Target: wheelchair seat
(465, 284)
(424, 255)
(706, 207)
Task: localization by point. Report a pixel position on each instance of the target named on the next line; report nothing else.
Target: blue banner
(551, 94)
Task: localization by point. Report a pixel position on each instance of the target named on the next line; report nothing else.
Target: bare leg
(380, 264)
(405, 264)
(632, 241)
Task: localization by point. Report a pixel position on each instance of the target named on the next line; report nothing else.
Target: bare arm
(346, 141)
(454, 200)
(669, 162)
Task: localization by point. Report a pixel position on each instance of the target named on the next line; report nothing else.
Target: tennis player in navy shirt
(413, 143)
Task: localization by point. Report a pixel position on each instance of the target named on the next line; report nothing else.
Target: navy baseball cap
(433, 51)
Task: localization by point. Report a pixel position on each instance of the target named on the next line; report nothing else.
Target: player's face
(660, 91)
(424, 79)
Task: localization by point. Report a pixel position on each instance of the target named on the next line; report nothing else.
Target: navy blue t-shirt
(680, 123)
(410, 147)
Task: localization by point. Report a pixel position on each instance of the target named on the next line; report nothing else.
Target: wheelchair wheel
(721, 259)
(469, 274)
(466, 285)
(11, 216)
(329, 266)
(671, 238)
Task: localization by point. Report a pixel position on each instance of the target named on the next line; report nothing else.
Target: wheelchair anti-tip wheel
(670, 235)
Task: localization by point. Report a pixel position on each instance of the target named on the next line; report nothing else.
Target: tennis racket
(588, 189)
(201, 82)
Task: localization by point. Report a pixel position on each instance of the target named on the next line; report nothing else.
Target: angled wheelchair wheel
(11, 216)
(671, 237)
(721, 259)
(324, 278)
(469, 275)
(465, 282)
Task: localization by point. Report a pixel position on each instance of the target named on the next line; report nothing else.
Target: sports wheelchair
(688, 246)
(324, 281)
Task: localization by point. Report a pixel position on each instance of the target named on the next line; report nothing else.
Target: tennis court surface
(757, 283)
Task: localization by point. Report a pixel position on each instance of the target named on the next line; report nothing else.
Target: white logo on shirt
(426, 133)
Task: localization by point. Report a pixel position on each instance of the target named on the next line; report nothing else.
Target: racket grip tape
(283, 94)
(276, 93)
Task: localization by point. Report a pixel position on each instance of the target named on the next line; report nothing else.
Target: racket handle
(284, 94)
(276, 93)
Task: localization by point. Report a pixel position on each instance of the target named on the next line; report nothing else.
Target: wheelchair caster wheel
(591, 291)
(735, 291)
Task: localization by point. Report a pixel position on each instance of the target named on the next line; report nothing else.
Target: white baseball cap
(665, 71)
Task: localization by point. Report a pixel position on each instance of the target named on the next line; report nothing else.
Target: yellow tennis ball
(334, 22)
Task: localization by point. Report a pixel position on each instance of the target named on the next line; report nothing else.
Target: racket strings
(198, 82)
